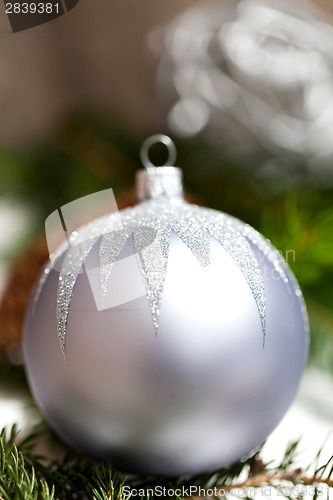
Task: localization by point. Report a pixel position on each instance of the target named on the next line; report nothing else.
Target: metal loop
(155, 139)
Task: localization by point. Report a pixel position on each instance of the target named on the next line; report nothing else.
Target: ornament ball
(167, 338)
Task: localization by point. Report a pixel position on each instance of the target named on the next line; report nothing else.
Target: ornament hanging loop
(159, 181)
(158, 139)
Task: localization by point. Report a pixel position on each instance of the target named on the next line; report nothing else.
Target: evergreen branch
(26, 476)
(258, 481)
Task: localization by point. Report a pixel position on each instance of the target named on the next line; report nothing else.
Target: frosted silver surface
(159, 217)
(183, 337)
(195, 397)
(199, 395)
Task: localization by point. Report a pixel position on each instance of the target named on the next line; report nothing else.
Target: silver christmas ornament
(255, 77)
(168, 338)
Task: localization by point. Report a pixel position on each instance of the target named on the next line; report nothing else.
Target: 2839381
(32, 8)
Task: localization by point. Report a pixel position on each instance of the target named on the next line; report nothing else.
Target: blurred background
(244, 88)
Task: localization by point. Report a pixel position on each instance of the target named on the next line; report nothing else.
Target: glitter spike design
(191, 231)
(152, 260)
(71, 267)
(110, 248)
(239, 249)
(266, 248)
(150, 224)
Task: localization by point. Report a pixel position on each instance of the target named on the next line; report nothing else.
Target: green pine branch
(26, 476)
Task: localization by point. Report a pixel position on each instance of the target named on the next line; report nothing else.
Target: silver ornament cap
(159, 181)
